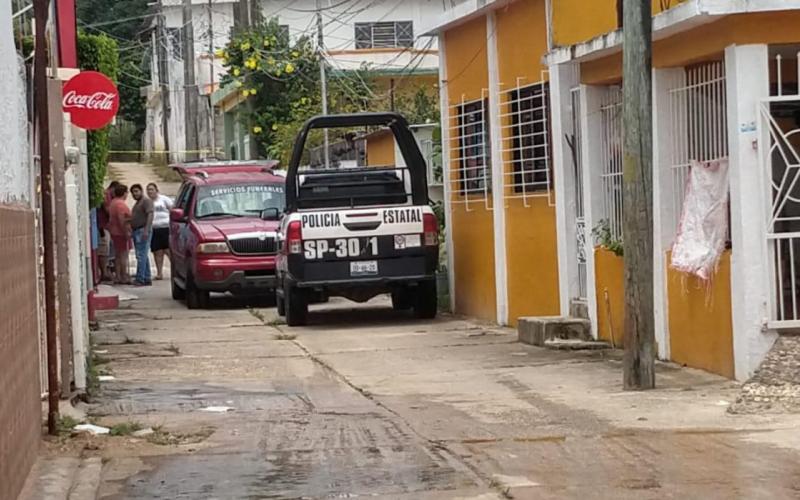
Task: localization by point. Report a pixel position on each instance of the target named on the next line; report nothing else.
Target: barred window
(474, 147)
(530, 144)
(391, 34)
(174, 42)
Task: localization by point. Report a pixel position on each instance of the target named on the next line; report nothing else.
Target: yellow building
(494, 96)
(531, 93)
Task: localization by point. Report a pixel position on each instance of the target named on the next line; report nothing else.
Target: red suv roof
(225, 172)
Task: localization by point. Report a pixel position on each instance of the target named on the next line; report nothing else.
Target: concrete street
(367, 402)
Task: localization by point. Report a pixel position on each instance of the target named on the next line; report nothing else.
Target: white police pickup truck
(358, 232)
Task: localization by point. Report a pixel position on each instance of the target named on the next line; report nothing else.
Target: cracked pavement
(366, 402)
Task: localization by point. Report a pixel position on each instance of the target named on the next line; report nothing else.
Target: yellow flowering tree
(277, 76)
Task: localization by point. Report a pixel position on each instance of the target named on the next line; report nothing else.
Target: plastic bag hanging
(703, 227)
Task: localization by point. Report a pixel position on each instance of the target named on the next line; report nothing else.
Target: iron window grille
(527, 143)
(474, 169)
(390, 34)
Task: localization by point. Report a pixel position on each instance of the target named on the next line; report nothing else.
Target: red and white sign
(91, 99)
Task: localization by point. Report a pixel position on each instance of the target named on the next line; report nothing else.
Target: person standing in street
(104, 250)
(160, 245)
(119, 227)
(142, 225)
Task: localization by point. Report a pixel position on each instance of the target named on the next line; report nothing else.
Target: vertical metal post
(323, 78)
(41, 10)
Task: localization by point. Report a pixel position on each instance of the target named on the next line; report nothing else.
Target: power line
(116, 21)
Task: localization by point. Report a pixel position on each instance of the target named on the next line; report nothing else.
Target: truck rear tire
(426, 302)
(295, 305)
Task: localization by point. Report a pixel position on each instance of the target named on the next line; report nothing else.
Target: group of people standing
(144, 227)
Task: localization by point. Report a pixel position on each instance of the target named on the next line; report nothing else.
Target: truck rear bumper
(372, 282)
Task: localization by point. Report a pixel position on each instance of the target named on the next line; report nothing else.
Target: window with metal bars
(174, 41)
(530, 138)
(474, 148)
(389, 34)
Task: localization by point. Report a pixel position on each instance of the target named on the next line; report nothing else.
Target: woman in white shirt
(160, 243)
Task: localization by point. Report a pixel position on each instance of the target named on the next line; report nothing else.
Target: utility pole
(323, 78)
(189, 84)
(41, 9)
(637, 228)
(211, 124)
(160, 41)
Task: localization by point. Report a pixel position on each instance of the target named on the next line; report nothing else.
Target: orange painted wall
(531, 245)
(610, 277)
(700, 321)
(471, 225)
(467, 66)
(532, 259)
(576, 21)
(522, 20)
(704, 43)
(380, 149)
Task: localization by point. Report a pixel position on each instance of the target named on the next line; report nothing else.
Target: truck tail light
(431, 229)
(294, 237)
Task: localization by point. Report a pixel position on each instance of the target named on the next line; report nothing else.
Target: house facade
(533, 162)
(381, 36)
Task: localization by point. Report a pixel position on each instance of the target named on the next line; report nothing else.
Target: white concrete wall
(222, 20)
(563, 77)
(339, 27)
(663, 201)
(747, 68)
(15, 164)
(591, 149)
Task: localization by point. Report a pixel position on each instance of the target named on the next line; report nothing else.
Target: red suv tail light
(294, 237)
(431, 229)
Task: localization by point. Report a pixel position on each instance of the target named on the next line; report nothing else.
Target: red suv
(222, 230)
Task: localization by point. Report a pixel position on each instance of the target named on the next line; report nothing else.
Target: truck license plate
(363, 268)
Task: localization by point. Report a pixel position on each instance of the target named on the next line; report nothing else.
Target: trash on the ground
(103, 351)
(92, 429)
(106, 378)
(722, 402)
(519, 353)
(217, 409)
(143, 432)
(513, 481)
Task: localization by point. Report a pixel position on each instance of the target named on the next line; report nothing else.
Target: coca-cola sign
(91, 99)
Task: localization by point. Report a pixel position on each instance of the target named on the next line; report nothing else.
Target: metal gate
(574, 143)
(779, 120)
(611, 160)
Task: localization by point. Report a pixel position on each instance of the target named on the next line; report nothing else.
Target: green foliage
(278, 79)
(419, 105)
(606, 239)
(98, 53)
(133, 41)
(125, 428)
(281, 83)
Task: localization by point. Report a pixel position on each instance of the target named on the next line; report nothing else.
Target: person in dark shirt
(142, 226)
